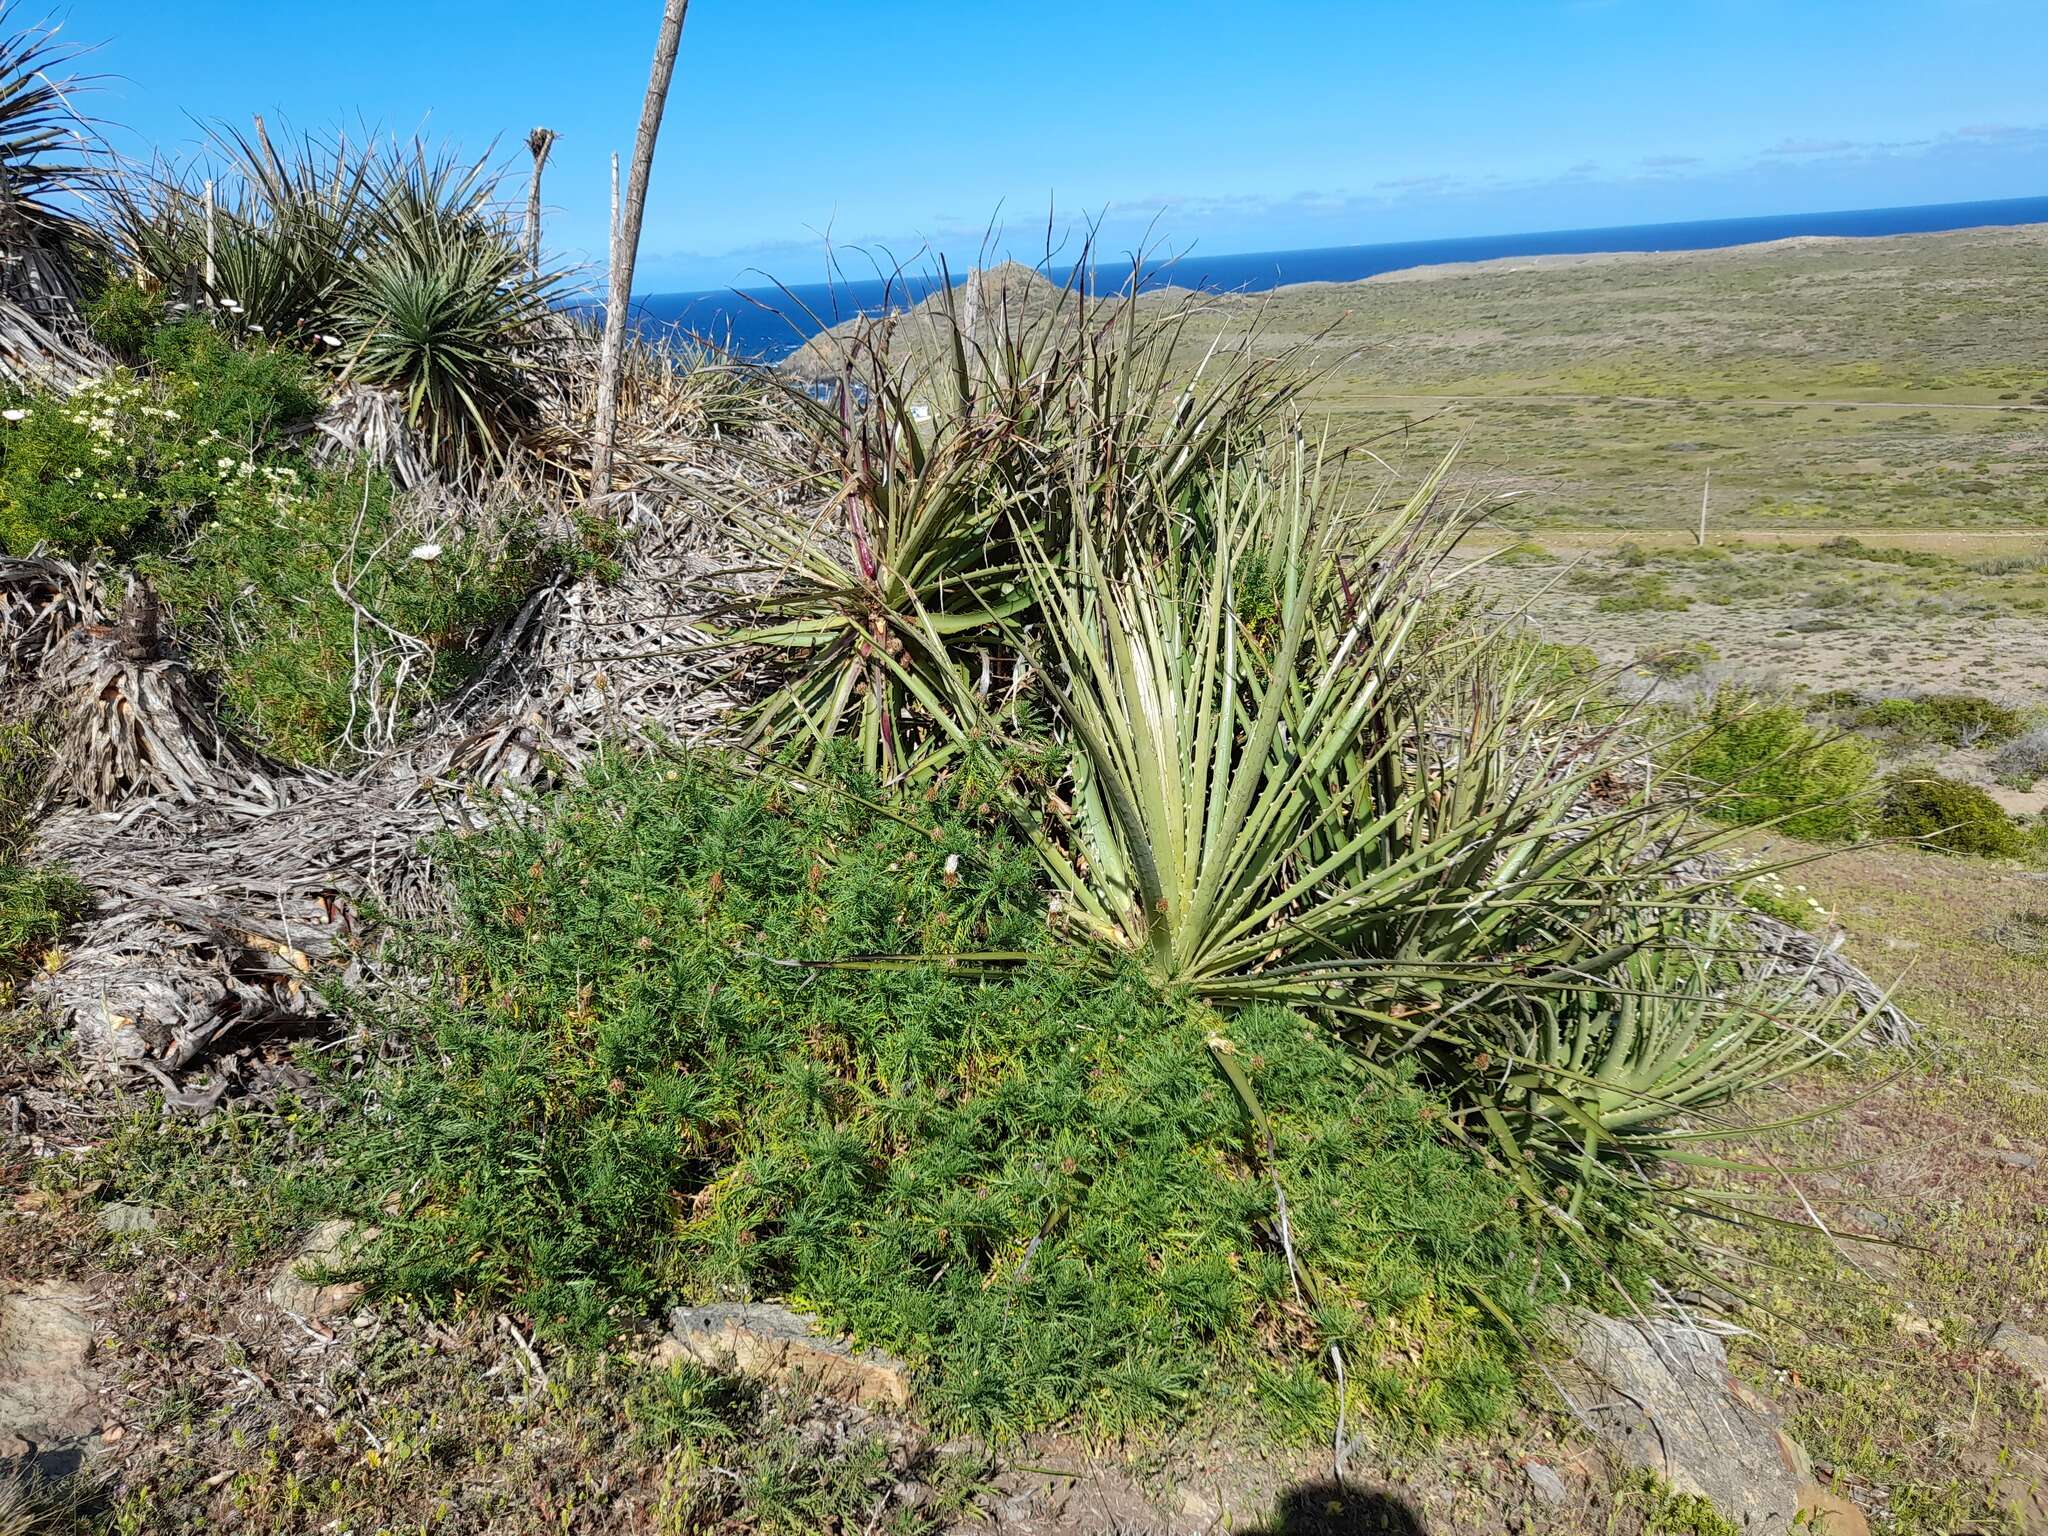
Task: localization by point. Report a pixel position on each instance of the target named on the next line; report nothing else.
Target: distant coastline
(770, 323)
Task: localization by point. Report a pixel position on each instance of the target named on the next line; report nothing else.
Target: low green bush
(125, 316)
(1669, 663)
(1849, 548)
(1523, 552)
(1552, 667)
(1950, 719)
(130, 461)
(1773, 766)
(36, 905)
(1949, 814)
(254, 598)
(1645, 594)
(248, 397)
(644, 1079)
(87, 473)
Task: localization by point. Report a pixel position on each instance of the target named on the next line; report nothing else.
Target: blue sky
(1220, 126)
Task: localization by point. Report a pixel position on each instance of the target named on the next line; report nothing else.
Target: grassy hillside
(1886, 384)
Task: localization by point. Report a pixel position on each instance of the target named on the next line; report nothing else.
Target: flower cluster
(1771, 894)
(85, 470)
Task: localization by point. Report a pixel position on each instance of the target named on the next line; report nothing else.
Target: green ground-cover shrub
(124, 315)
(133, 459)
(1949, 814)
(636, 1087)
(1773, 766)
(1950, 719)
(254, 596)
(1644, 594)
(36, 906)
(1669, 663)
(1849, 548)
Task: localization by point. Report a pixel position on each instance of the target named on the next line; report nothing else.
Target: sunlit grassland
(1897, 383)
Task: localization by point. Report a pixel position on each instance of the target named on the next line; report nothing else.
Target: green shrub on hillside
(129, 461)
(1950, 719)
(1552, 668)
(645, 1082)
(254, 598)
(1645, 594)
(125, 316)
(1775, 767)
(1949, 814)
(1669, 663)
(1849, 548)
(85, 474)
(251, 397)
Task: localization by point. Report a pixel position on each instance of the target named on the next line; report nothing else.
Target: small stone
(2026, 1350)
(768, 1340)
(2020, 1160)
(331, 1245)
(1545, 1484)
(1192, 1506)
(127, 1218)
(913, 1495)
(1018, 1507)
(1824, 1512)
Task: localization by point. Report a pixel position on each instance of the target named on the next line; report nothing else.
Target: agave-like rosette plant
(47, 245)
(1601, 1088)
(287, 229)
(444, 310)
(43, 165)
(1320, 808)
(947, 439)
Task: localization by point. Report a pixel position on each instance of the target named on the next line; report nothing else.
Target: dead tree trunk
(538, 143)
(626, 247)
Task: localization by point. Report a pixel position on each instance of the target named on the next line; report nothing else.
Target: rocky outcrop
(1664, 1400)
(49, 1413)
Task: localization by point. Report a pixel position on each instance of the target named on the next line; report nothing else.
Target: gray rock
(2022, 1160)
(331, 1245)
(1544, 1483)
(49, 1413)
(127, 1218)
(768, 1340)
(2026, 1350)
(1667, 1403)
(1194, 1508)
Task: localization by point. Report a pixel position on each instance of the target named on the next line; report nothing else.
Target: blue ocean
(770, 323)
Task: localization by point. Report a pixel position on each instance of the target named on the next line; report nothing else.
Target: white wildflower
(426, 552)
(14, 415)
